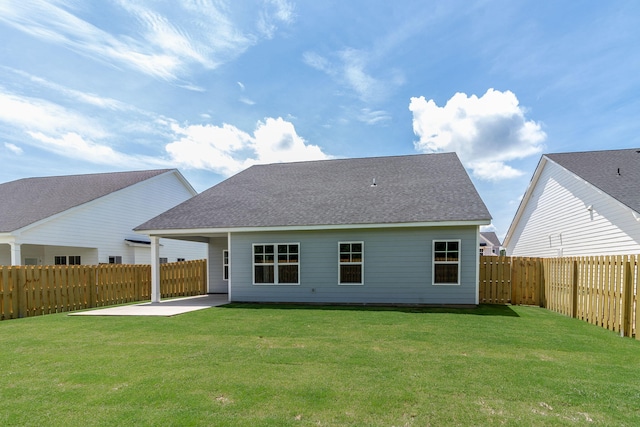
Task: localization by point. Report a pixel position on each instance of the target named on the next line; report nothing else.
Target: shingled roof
(615, 172)
(29, 200)
(491, 237)
(408, 189)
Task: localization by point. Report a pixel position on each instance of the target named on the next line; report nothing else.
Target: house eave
(525, 199)
(221, 230)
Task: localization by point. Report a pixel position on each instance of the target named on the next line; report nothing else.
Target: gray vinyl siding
(216, 282)
(397, 267)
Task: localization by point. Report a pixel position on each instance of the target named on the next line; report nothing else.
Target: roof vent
(373, 184)
(619, 172)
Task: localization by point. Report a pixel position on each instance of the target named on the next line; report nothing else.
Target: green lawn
(248, 365)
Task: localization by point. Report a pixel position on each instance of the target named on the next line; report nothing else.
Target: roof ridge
(91, 174)
(356, 158)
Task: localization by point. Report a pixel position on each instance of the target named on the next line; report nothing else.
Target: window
(180, 259)
(225, 265)
(74, 260)
(446, 262)
(115, 260)
(276, 264)
(163, 260)
(60, 260)
(350, 263)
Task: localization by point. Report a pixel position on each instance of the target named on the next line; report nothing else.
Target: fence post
(516, 278)
(540, 289)
(93, 282)
(574, 289)
(627, 300)
(15, 291)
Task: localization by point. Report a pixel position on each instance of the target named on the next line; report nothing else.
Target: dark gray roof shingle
(418, 188)
(491, 237)
(28, 200)
(615, 172)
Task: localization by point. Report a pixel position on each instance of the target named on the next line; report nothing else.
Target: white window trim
(361, 264)
(275, 264)
(433, 261)
(225, 251)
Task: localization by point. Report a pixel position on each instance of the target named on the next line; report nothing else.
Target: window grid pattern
(276, 263)
(225, 265)
(350, 262)
(446, 262)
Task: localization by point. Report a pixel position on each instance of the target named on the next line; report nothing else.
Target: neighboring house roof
(615, 172)
(408, 189)
(491, 237)
(29, 200)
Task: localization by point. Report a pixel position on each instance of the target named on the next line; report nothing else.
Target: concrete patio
(166, 308)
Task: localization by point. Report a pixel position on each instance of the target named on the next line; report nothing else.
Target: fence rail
(600, 290)
(37, 290)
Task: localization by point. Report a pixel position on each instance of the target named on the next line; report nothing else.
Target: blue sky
(211, 86)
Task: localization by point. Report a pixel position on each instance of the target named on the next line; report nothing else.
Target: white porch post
(16, 253)
(230, 261)
(155, 269)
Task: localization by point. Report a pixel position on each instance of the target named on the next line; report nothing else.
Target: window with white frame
(276, 264)
(75, 260)
(60, 260)
(350, 263)
(115, 259)
(225, 265)
(446, 262)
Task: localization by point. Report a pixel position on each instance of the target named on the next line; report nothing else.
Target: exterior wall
(216, 282)
(102, 225)
(397, 267)
(556, 220)
(5, 254)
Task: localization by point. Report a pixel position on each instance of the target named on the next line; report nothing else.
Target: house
(577, 204)
(489, 243)
(400, 230)
(89, 219)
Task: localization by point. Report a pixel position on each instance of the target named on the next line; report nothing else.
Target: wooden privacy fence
(600, 290)
(36, 290)
(511, 280)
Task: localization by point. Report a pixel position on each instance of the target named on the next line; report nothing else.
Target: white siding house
(386, 230)
(580, 204)
(489, 244)
(89, 219)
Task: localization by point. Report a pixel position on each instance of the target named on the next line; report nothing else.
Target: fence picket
(37, 290)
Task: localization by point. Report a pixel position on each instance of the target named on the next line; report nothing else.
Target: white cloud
(273, 13)
(161, 43)
(75, 95)
(74, 146)
(485, 132)
(37, 114)
(13, 148)
(372, 117)
(227, 150)
(488, 228)
(350, 69)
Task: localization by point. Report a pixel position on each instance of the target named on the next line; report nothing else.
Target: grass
(248, 365)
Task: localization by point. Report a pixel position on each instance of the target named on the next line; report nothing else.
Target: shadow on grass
(481, 310)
